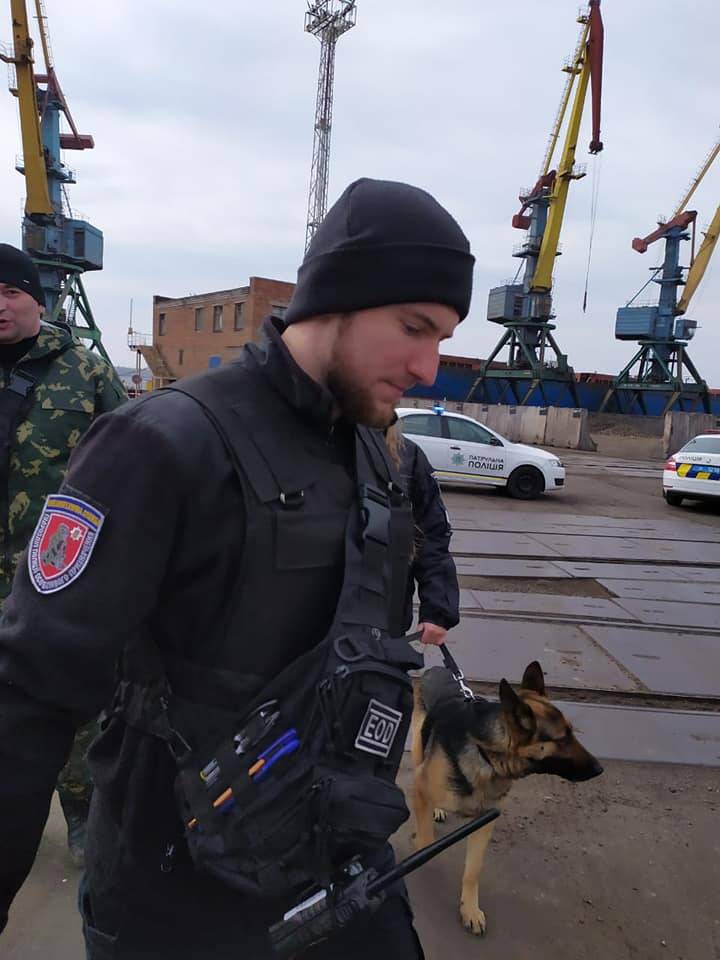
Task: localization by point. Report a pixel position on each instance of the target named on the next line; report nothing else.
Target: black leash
(456, 672)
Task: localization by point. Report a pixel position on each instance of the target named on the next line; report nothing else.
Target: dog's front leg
(473, 917)
(423, 810)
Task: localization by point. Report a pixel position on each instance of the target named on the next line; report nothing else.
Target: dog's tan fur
(501, 743)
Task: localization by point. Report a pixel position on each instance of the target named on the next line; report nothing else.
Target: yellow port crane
(63, 246)
(536, 369)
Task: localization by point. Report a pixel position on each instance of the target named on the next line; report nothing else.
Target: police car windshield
(702, 445)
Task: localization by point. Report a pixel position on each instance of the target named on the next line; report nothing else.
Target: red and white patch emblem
(63, 540)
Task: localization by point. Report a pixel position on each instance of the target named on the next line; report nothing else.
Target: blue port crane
(662, 365)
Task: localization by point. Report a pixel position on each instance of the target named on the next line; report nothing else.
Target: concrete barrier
(681, 427)
(567, 427)
(533, 424)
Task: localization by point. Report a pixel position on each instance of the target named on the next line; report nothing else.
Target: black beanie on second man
(18, 270)
(382, 243)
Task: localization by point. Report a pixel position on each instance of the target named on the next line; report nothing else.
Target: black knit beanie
(18, 270)
(383, 243)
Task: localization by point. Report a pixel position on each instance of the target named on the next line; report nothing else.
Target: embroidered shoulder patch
(63, 541)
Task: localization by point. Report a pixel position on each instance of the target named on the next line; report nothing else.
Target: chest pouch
(307, 781)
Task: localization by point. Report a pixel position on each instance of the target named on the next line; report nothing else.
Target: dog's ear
(534, 679)
(517, 713)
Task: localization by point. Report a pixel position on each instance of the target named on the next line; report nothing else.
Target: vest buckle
(293, 500)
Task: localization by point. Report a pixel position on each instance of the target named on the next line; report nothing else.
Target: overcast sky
(202, 116)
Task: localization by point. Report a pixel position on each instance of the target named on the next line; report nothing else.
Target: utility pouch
(307, 781)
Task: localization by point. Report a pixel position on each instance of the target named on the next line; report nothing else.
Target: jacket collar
(304, 394)
(50, 340)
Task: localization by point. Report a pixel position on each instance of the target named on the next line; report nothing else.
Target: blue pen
(281, 741)
(290, 747)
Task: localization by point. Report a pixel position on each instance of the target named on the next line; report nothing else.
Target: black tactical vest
(327, 706)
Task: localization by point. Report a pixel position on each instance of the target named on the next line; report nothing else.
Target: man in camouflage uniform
(51, 388)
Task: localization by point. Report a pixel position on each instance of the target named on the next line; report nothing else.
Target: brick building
(193, 333)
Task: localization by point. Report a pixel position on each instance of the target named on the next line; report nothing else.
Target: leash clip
(457, 673)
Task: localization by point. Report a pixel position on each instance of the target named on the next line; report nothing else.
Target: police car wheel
(673, 499)
(525, 483)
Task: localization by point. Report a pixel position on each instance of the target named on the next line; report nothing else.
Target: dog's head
(541, 738)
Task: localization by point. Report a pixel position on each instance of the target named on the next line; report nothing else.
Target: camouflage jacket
(77, 386)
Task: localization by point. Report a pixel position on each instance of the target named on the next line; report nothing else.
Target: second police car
(463, 451)
(693, 473)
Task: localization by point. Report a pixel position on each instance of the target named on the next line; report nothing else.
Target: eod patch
(378, 729)
(63, 541)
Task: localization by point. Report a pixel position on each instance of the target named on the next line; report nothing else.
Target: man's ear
(518, 715)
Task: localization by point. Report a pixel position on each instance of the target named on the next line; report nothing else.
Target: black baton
(329, 912)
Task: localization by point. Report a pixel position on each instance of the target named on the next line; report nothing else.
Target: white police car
(693, 473)
(463, 451)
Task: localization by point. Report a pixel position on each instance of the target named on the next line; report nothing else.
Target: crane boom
(700, 263)
(68, 141)
(682, 220)
(588, 63)
(41, 17)
(565, 99)
(37, 201)
(697, 179)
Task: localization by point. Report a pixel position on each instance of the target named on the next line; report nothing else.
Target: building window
(162, 324)
(181, 354)
(217, 318)
(239, 321)
(198, 318)
(278, 310)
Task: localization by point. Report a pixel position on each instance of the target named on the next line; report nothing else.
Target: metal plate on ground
(638, 571)
(690, 574)
(534, 523)
(522, 520)
(638, 733)
(664, 661)
(492, 649)
(674, 614)
(501, 567)
(550, 605)
(631, 548)
(499, 545)
(664, 590)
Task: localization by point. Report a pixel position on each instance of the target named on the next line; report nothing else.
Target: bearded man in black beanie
(265, 536)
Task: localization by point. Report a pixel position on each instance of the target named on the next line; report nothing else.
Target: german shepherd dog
(466, 754)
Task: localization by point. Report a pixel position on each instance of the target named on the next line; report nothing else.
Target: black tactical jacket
(168, 567)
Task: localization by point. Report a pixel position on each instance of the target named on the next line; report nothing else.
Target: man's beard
(356, 401)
